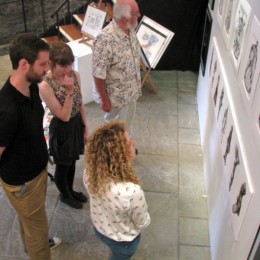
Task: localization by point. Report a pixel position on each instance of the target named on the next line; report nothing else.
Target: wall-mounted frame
(154, 39)
(228, 20)
(93, 22)
(205, 41)
(250, 65)
(220, 6)
(255, 115)
(239, 30)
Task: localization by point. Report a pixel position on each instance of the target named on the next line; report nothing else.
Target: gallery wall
(229, 112)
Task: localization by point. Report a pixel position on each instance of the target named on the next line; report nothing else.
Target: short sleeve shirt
(21, 133)
(116, 59)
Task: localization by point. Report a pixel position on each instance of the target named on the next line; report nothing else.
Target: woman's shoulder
(125, 188)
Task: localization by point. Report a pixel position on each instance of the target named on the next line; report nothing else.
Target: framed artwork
(205, 41)
(220, 6)
(228, 20)
(154, 39)
(93, 22)
(211, 4)
(254, 253)
(249, 69)
(239, 31)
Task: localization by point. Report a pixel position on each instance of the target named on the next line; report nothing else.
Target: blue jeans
(120, 250)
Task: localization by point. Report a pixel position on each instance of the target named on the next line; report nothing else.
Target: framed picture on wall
(154, 39)
(250, 65)
(220, 6)
(205, 41)
(239, 30)
(228, 20)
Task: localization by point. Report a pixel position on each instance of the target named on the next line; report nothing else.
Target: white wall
(224, 245)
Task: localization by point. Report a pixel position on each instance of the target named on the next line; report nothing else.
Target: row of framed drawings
(237, 25)
(238, 181)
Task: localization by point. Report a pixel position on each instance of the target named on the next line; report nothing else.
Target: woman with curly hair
(117, 202)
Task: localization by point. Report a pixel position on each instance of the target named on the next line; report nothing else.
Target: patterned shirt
(60, 93)
(122, 213)
(116, 59)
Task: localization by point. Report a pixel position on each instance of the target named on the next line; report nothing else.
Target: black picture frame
(205, 41)
(211, 4)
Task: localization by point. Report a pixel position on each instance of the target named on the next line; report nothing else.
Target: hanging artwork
(154, 39)
(250, 65)
(228, 19)
(205, 41)
(239, 31)
(220, 6)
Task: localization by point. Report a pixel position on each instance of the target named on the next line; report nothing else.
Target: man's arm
(101, 88)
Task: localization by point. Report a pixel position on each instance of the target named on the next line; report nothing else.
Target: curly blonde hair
(108, 158)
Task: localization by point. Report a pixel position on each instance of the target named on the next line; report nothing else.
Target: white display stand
(83, 64)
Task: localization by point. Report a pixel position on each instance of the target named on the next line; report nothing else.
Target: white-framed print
(239, 30)
(154, 39)
(249, 69)
(93, 22)
(221, 11)
(227, 28)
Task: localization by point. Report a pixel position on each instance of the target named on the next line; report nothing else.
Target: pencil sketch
(224, 123)
(237, 205)
(236, 163)
(228, 144)
(220, 101)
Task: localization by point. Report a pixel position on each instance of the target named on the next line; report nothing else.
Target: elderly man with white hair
(116, 64)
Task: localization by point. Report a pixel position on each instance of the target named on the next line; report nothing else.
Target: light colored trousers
(29, 203)
(126, 114)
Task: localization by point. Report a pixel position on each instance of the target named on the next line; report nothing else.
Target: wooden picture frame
(154, 39)
(205, 41)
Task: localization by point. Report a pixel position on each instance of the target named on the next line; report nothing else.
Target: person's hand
(106, 105)
(68, 83)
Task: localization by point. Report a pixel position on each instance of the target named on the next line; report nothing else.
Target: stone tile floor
(170, 165)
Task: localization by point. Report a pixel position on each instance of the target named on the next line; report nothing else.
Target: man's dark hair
(26, 46)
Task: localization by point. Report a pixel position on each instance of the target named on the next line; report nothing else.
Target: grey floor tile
(192, 206)
(158, 173)
(188, 116)
(194, 253)
(155, 134)
(187, 96)
(194, 231)
(164, 103)
(189, 136)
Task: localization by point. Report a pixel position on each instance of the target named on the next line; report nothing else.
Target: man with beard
(23, 150)
(116, 64)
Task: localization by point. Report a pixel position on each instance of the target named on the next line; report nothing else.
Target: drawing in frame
(154, 39)
(205, 41)
(220, 6)
(228, 20)
(254, 253)
(93, 23)
(250, 65)
(239, 30)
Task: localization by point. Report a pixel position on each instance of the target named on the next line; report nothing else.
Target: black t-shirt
(21, 132)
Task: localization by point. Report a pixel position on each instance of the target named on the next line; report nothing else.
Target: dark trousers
(64, 178)
(120, 250)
